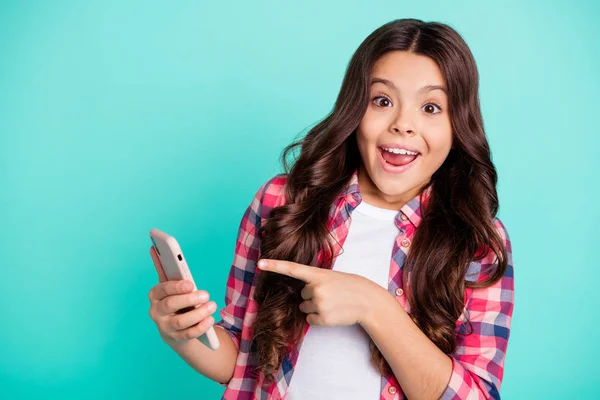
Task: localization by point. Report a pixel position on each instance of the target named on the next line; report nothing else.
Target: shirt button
(405, 243)
(403, 217)
(392, 390)
(399, 292)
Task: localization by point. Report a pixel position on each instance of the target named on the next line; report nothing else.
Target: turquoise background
(120, 116)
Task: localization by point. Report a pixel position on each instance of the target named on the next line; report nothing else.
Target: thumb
(162, 277)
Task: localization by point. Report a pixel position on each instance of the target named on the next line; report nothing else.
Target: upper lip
(399, 146)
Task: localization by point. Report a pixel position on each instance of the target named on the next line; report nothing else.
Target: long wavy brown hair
(457, 226)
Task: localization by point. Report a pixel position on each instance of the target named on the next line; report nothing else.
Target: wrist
(378, 303)
(171, 342)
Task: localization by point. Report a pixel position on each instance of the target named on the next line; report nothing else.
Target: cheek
(439, 146)
(366, 140)
(371, 124)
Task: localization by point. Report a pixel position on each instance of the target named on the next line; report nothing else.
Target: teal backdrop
(120, 116)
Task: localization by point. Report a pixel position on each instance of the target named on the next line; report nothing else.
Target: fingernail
(262, 263)
(212, 307)
(202, 296)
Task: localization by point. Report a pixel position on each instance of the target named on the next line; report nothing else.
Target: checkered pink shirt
(478, 361)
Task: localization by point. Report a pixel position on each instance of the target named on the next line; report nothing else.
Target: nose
(403, 123)
(408, 131)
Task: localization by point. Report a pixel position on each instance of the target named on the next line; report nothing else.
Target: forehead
(408, 70)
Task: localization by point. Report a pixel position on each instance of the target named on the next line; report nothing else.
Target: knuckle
(168, 303)
(170, 326)
(153, 292)
(192, 333)
(317, 291)
(152, 313)
(178, 323)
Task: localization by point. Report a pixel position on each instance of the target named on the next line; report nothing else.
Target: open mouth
(397, 160)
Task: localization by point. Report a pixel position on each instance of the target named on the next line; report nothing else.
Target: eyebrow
(426, 88)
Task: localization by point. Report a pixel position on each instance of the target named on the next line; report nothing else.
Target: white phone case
(176, 268)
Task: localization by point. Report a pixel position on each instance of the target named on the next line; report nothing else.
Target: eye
(432, 106)
(384, 99)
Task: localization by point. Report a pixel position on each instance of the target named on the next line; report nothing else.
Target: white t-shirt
(335, 362)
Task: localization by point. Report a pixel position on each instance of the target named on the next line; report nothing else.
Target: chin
(392, 190)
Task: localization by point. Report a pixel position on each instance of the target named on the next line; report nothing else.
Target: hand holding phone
(180, 311)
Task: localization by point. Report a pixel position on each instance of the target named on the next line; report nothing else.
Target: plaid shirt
(477, 363)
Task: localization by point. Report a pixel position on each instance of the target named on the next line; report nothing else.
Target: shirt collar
(412, 210)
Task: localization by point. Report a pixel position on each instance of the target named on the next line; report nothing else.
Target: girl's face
(408, 111)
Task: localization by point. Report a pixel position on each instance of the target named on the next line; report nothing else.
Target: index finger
(170, 288)
(295, 270)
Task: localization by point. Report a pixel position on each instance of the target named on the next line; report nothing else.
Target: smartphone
(176, 268)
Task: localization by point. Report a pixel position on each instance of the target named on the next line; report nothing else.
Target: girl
(386, 273)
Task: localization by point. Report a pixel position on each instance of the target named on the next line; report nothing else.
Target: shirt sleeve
(241, 274)
(478, 361)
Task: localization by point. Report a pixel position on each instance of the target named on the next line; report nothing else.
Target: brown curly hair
(457, 222)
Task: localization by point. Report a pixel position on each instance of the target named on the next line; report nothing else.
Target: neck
(372, 195)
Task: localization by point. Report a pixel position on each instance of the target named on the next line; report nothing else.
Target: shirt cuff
(459, 386)
(236, 341)
(234, 336)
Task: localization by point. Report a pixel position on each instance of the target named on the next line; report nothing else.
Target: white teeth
(401, 151)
